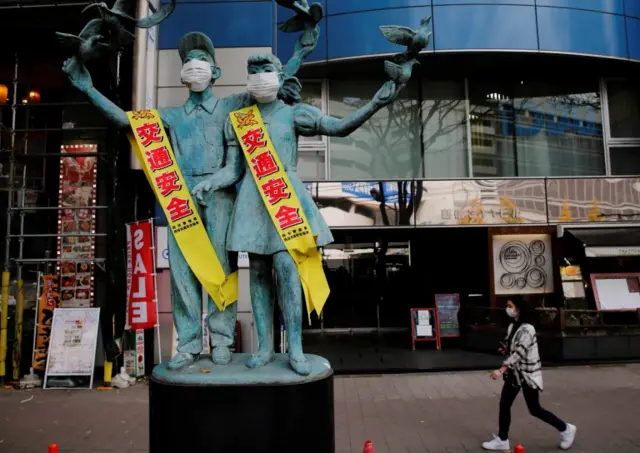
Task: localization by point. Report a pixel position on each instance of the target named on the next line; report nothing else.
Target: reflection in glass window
(624, 108)
(444, 129)
(387, 145)
(532, 128)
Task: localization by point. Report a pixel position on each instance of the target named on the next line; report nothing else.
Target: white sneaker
(497, 444)
(568, 436)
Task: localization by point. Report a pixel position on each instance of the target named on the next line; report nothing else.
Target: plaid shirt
(523, 357)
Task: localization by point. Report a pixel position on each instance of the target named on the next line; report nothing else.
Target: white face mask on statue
(264, 86)
(197, 74)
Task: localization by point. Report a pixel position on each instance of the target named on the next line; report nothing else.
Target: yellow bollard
(17, 345)
(108, 370)
(4, 321)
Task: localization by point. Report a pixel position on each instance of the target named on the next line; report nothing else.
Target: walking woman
(522, 370)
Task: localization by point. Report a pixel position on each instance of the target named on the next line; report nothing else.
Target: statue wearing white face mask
(196, 75)
(264, 86)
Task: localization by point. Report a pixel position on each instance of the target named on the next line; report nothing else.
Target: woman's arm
(521, 344)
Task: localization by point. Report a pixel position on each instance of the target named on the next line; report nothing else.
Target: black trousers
(532, 398)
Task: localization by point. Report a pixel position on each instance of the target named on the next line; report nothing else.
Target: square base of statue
(231, 408)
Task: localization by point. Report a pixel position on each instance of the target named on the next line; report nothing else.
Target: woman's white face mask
(264, 86)
(511, 312)
(197, 74)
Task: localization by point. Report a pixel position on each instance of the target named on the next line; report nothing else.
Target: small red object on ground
(53, 448)
(368, 447)
(518, 449)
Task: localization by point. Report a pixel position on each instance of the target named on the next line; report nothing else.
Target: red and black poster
(77, 198)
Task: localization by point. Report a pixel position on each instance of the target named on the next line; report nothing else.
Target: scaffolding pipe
(54, 235)
(60, 260)
(19, 314)
(19, 317)
(48, 5)
(57, 208)
(4, 305)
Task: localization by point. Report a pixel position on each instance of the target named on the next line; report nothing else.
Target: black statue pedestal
(233, 409)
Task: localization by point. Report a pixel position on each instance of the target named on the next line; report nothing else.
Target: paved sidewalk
(429, 413)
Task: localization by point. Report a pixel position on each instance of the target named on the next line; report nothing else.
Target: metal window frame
(319, 146)
(609, 140)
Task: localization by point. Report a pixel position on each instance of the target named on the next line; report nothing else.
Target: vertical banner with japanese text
(282, 204)
(48, 301)
(153, 149)
(141, 288)
(77, 224)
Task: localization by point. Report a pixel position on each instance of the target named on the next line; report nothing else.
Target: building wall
(608, 28)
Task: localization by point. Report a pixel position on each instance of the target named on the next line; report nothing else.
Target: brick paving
(426, 413)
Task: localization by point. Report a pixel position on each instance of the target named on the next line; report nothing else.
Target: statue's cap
(195, 40)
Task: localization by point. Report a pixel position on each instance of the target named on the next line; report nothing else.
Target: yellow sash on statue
(282, 204)
(153, 150)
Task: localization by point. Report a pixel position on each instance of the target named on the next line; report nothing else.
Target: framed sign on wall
(522, 264)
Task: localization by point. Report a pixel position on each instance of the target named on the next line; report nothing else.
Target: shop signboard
(477, 202)
(162, 248)
(77, 199)
(48, 301)
(424, 326)
(142, 304)
(447, 308)
(364, 203)
(522, 264)
(74, 338)
(575, 200)
(480, 202)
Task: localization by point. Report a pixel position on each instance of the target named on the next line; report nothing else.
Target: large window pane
(311, 165)
(444, 129)
(386, 146)
(625, 160)
(535, 128)
(624, 108)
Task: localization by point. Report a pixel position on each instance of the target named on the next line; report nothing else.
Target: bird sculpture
(306, 18)
(117, 20)
(399, 70)
(121, 6)
(400, 73)
(415, 40)
(87, 44)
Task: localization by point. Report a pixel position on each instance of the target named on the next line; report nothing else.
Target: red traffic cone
(518, 449)
(53, 448)
(368, 447)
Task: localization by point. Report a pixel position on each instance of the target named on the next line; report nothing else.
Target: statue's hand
(201, 189)
(307, 42)
(78, 74)
(387, 94)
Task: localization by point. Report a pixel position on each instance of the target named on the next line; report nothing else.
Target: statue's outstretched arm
(304, 46)
(311, 121)
(81, 79)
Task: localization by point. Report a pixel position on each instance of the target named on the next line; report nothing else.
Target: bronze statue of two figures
(213, 141)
